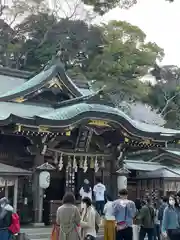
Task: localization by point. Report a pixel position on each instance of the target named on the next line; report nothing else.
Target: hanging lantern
(56, 158)
(44, 179)
(85, 166)
(75, 167)
(96, 165)
(60, 165)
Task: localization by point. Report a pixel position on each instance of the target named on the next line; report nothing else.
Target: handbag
(122, 225)
(55, 232)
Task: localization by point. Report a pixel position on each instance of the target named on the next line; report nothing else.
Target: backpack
(15, 224)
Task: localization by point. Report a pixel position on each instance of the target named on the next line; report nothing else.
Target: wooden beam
(72, 153)
(15, 197)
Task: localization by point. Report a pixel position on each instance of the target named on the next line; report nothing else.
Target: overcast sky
(160, 20)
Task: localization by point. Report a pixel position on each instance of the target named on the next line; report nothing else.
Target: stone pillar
(37, 192)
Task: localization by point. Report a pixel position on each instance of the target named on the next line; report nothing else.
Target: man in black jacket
(161, 209)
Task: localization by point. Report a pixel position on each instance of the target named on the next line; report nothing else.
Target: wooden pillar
(6, 189)
(113, 178)
(15, 198)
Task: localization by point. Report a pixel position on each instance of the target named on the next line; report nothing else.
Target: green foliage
(126, 58)
(103, 6)
(115, 54)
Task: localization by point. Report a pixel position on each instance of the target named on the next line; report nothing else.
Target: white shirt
(84, 194)
(108, 211)
(99, 190)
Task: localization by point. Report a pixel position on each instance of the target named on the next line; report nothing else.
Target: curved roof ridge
(29, 86)
(38, 81)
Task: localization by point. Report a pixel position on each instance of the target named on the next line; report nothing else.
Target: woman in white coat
(88, 220)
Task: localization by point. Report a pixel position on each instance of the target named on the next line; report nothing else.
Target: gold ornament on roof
(126, 139)
(147, 142)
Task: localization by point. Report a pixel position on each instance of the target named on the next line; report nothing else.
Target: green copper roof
(35, 82)
(73, 115)
(8, 83)
(141, 165)
(65, 113)
(21, 110)
(175, 152)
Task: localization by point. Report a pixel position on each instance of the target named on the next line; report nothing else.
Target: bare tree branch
(2, 7)
(168, 102)
(171, 110)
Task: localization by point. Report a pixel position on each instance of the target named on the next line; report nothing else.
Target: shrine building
(51, 123)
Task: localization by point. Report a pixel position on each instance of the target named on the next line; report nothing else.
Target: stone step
(45, 233)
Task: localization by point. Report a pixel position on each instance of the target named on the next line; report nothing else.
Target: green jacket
(146, 216)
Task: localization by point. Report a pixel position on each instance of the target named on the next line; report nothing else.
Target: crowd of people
(158, 219)
(123, 219)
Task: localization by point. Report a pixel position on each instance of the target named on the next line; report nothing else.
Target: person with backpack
(9, 221)
(146, 218)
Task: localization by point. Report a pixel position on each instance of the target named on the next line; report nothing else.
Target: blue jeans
(100, 207)
(4, 234)
(125, 234)
(157, 232)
